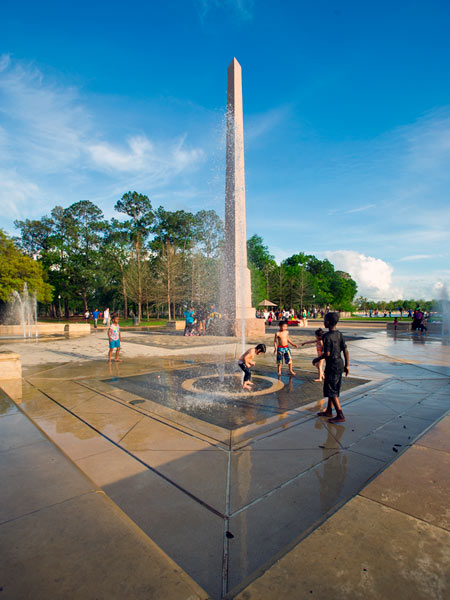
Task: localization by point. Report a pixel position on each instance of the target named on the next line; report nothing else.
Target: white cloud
(373, 275)
(417, 257)
(53, 145)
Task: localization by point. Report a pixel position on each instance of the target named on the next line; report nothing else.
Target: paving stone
(365, 551)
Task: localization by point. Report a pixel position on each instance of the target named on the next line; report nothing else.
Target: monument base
(233, 327)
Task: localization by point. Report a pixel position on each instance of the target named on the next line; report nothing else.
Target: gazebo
(266, 303)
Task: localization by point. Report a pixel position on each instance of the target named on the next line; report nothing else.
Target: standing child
(319, 348)
(114, 338)
(333, 345)
(246, 361)
(281, 343)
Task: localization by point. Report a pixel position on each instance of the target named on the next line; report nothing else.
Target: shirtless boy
(281, 343)
(246, 361)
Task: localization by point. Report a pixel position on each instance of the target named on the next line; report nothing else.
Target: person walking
(95, 316)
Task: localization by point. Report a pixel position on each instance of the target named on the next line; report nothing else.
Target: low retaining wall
(7, 330)
(79, 328)
(175, 325)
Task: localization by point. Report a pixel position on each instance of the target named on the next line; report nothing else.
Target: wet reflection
(217, 398)
(332, 473)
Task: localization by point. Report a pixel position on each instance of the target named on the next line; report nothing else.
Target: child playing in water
(246, 361)
(319, 347)
(114, 338)
(281, 343)
(333, 345)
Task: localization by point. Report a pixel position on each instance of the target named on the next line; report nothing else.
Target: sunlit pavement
(226, 486)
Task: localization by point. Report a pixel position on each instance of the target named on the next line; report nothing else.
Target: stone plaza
(145, 486)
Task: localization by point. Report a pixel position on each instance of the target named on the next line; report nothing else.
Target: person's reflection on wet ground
(334, 471)
(283, 399)
(114, 368)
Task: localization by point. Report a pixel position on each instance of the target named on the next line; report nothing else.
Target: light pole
(59, 307)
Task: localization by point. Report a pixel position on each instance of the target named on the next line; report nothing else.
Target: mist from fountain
(444, 308)
(22, 310)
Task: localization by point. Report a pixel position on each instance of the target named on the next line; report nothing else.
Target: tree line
(155, 261)
(153, 258)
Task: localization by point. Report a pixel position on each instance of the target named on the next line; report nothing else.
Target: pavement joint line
(25, 445)
(309, 417)
(130, 430)
(226, 525)
(403, 361)
(151, 416)
(152, 469)
(282, 485)
(38, 510)
(402, 512)
(431, 447)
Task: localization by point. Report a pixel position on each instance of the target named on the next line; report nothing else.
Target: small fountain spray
(22, 311)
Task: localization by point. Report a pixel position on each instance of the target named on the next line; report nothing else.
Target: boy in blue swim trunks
(114, 338)
(281, 348)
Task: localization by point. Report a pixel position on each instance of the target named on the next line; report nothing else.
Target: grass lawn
(122, 322)
(374, 319)
(144, 323)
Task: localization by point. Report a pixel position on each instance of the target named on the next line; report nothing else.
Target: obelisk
(237, 290)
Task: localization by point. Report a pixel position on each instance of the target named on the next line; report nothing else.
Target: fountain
(21, 314)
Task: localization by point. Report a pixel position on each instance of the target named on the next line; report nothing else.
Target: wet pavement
(225, 487)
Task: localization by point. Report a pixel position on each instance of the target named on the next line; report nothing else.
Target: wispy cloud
(360, 209)
(241, 10)
(419, 257)
(51, 140)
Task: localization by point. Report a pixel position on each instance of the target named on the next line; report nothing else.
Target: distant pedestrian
(106, 317)
(87, 314)
(95, 316)
(188, 321)
(114, 338)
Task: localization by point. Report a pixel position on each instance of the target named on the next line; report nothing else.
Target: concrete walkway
(62, 538)
(392, 540)
(225, 509)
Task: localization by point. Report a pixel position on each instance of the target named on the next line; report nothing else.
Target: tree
(16, 269)
(208, 233)
(258, 256)
(139, 208)
(116, 246)
(168, 268)
(85, 225)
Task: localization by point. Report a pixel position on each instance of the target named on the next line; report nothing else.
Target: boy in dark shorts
(246, 361)
(333, 345)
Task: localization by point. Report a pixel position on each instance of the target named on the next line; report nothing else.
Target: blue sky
(346, 115)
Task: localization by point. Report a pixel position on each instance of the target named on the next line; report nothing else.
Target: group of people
(197, 320)
(290, 315)
(96, 315)
(330, 346)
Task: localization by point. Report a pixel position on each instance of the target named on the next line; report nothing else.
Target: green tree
(141, 216)
(263, 262)
(17, 268)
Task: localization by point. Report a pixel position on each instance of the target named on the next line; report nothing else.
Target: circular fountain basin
(231, 385)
